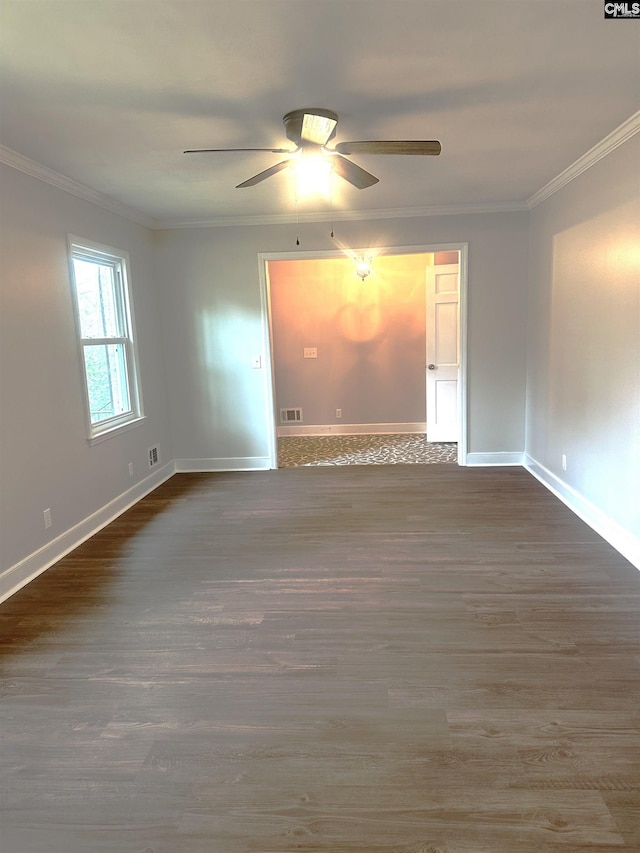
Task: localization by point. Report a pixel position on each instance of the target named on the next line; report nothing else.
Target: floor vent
(290, 416)
(154, 456)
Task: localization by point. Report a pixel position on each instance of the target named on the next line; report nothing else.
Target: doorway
(346, 355)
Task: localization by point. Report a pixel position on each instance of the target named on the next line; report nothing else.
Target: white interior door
(443, 352)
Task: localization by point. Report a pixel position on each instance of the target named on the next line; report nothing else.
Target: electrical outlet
(564, 462)
(310, 352)
(338, 413)
(48, 521)
(131, 469)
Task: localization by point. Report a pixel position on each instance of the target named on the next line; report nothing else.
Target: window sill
(116, 430)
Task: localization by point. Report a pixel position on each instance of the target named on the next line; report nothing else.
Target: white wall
(583, 374)
(45, 459)
(212, 327)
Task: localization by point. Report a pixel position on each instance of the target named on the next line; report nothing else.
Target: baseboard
(19, 575)
(501, 458)
(35, 564)
(351, 429)
(231, 463)
(626, 543)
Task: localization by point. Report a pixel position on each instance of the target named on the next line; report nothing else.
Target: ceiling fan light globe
(312, 174)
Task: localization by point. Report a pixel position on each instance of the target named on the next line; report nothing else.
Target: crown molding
(62, 182)
(344, 215)
(56, 179)
(617, 137)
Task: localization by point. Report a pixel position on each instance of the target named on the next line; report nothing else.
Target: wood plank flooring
(390, 659)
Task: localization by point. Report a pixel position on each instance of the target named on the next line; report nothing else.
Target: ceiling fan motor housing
(293, 122)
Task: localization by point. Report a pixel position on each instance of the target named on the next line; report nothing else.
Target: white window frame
(118, 260)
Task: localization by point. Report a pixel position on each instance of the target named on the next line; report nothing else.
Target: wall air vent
(153, 454)
(290, 416)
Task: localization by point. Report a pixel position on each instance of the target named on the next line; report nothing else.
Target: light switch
(311, 352)
(256, 362)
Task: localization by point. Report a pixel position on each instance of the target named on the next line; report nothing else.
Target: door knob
(431, 366)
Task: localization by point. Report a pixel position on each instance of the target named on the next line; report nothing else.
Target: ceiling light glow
(363, 267)
(313, 175)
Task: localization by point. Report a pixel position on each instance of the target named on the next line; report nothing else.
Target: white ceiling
(110, 92)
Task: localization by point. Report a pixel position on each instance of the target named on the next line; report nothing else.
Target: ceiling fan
(311, 130)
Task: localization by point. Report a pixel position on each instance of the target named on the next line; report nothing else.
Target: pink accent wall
(370, 337)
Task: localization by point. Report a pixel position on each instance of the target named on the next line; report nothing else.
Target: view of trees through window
(101, 318)
(100, 284)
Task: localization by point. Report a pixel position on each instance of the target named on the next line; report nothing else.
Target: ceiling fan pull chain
(331, 204)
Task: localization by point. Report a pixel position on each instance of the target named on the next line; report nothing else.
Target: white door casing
(443, 352)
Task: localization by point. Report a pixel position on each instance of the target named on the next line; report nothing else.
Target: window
(105, 329)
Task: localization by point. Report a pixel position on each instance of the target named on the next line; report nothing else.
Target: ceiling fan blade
(214, 150)
(352, 173)
(425, 146)
(317, 128)
(262, 176)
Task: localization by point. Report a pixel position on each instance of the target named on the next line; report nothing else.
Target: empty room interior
(319, 426)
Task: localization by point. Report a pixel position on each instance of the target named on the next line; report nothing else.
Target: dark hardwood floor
(390, 659)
